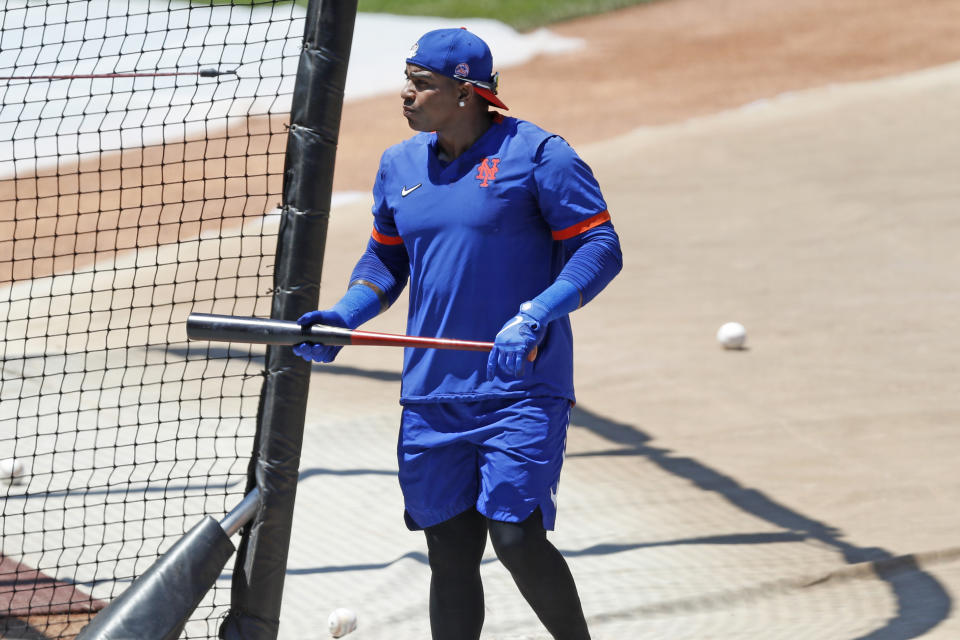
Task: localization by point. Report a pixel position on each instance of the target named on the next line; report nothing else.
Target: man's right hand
(312, 352)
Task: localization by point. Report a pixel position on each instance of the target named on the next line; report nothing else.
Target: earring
(462, 104)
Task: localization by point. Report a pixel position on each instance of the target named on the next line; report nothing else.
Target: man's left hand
(517, 340)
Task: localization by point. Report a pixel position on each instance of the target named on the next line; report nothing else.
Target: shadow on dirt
(922, 602)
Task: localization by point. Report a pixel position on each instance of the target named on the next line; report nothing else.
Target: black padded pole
(317, 104)
(158, 604)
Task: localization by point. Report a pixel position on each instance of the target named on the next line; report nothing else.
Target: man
(502, 231)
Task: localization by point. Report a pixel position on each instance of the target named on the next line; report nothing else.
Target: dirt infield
(38, 606)
(41, 627)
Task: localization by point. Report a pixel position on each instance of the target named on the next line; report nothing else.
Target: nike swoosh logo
(404, 192)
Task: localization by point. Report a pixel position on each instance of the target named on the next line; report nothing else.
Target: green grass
(522, 15)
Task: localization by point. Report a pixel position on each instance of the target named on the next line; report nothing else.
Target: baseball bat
(218, 328)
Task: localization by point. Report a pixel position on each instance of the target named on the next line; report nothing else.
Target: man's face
(429, 99)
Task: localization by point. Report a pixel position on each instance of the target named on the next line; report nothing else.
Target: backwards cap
(458, 54)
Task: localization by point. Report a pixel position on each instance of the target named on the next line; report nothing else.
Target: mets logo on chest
(487, 171)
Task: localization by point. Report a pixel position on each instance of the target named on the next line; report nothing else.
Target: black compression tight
(540, 572)
(456, 593)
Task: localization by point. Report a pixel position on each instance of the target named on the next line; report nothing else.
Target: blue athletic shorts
(502, 456)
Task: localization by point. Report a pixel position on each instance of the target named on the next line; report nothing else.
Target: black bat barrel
(220, 328)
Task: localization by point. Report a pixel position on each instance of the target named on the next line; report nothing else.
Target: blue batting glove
(312, 352)
(517, 340)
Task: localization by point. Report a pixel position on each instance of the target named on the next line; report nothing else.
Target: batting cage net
(141, 160)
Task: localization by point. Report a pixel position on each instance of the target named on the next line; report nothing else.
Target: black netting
(141, 158)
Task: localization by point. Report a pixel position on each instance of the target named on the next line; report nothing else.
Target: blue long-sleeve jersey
(477, 237)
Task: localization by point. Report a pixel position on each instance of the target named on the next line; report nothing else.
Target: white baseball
(11, 470)
(341, 622)
(732, 335)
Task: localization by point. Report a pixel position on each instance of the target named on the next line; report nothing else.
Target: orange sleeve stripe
(580, 227)
(383, 239)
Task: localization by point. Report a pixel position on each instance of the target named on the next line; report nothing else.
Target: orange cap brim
(490, 97)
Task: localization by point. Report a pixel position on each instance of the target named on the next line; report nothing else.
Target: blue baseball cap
(458, 54)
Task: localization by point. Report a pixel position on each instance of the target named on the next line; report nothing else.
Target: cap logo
(414, 49)
(463, 69)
